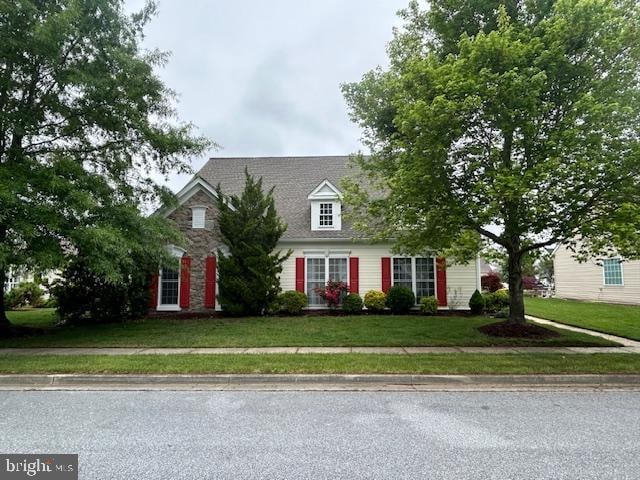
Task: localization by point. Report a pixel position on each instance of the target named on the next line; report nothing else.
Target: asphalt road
(290, 435)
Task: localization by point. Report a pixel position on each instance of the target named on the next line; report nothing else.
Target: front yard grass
(622, 320)
(321, 331)
(456, 363)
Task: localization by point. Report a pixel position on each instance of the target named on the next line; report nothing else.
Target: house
(611, 280)
(308, 198)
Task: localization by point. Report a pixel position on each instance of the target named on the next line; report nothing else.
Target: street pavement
(316, 435)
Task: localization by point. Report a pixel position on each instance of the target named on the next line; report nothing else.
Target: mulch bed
(517, 330)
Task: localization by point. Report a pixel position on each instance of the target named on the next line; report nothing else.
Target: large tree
(84, 122)
(514, 122)
(249, 267)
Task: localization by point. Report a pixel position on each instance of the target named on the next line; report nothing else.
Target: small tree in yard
(84, 120)
(249, 271)
(521, 115)
(491, 282)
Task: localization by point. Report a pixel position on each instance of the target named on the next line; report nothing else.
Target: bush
(501, 298)
(429, 305)
(26, 294)
(476, 303)
(530, 283)
(352, 303)
(491, 282)
(375, 300)
(83, 296)
(291, 302)
(400, 299)
(333, 293)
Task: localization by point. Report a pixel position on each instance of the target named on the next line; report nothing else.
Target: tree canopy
(514, 122)
(85, 122)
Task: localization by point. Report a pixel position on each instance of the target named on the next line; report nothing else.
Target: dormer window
(326, 215)
(325, 207)
(198, 217)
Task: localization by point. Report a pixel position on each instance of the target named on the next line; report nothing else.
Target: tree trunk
(516, 295)
(5, 324)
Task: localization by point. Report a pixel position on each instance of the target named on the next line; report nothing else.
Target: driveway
(235, 435)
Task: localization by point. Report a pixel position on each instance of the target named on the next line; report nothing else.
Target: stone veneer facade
(201, 243)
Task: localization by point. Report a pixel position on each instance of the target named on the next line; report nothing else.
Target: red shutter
(441, 279)
(386, 274)
(300, 274)
(153, 292)
(354, 274)
(185, 282)
(210, 283)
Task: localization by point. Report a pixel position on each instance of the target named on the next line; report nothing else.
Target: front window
(612, 271)
(402, 273)
(326, 214)
(169, 287)
(416, 274)
(425, 278)
(198, 217)
(320, 270)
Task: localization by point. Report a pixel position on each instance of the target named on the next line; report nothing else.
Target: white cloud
(262, 78)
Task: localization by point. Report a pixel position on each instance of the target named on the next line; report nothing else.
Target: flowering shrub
(491, 282)
(332, 293)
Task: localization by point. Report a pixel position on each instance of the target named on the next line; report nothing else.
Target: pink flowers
(333, 293)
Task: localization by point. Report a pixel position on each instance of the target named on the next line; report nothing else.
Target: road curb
(313, 381)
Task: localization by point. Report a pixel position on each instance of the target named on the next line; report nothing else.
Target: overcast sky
(263, 78)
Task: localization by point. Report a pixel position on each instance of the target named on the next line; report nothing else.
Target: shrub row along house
(308, 198)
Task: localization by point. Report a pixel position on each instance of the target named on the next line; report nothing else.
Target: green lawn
(457, 363)
(35, 317)
(365, 330)
(623, 320)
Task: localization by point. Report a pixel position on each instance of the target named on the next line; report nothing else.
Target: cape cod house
(308, 198)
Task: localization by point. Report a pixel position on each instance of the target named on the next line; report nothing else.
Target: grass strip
(455, 363)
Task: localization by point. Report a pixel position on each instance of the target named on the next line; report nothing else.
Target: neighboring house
(16, 276)
(308, 198)
(612, 280)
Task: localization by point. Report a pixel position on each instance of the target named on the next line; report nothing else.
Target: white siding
(585, 281)
(462, 280)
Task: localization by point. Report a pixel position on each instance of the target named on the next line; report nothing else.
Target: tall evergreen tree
(249, 269)
(84, 119)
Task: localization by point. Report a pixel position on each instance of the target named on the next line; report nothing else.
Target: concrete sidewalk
(316, 350)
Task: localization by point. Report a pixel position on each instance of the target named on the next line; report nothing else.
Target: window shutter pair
(441, 278)
(185, 284)
(354, 274)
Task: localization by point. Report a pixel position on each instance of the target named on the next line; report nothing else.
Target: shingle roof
(294, 178)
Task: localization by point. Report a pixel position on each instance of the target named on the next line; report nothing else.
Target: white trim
(168, 307)
(202, 223)
(604, 278)
(327, 255)
(316, 195)
(414, 284)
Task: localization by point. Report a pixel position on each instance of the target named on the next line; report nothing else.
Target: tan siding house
(307, 196)
(609, 280)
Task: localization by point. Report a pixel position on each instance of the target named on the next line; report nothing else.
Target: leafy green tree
(530, 124)
(84, 123)
(249, 269)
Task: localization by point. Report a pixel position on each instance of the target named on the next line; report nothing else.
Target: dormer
(326, 207)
